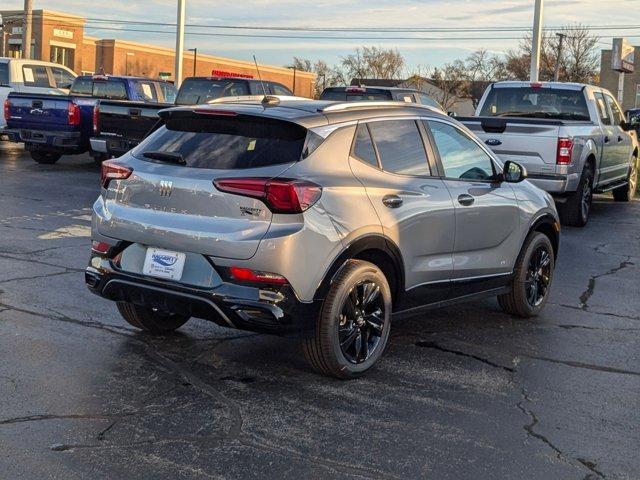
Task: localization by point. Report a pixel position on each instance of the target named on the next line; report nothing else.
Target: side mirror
(513, 172)
(626, 126)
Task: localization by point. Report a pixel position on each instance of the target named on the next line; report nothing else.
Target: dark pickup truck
(54, 125)
(121, 125)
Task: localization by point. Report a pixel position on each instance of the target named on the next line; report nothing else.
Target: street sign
(164, 75)
(622, 56)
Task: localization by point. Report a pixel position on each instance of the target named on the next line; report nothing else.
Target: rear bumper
(228, 305)
(61, 140)
(555, 184)
(98, 145)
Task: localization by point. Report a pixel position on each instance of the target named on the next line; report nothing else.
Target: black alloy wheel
(361, 322)
(538, 276)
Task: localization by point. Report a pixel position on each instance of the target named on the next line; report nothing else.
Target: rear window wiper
(168, 157)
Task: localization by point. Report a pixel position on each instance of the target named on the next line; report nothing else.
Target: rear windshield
(200, 90)
(107, 89)
(227, 143)
(536, 102)
(4, 74)
(343, 96)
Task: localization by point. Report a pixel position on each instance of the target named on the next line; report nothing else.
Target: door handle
(466, 200)
(392, 201)
(606, 139)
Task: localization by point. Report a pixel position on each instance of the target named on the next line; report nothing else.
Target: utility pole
(180, 43)
(536, 41)
(26, 29)
(561, 37)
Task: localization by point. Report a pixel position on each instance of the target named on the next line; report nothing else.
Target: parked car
(572, 138)
(54, 125)
(318, 219)
(120, 126)
(32, 76)
(364, 93)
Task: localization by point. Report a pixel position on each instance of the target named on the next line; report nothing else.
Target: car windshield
(200, 90)
(224, 143)
(536, 102)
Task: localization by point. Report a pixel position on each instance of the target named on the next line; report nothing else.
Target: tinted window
(200, 90)
(280, 89)
(35, 76)
(227, 143)
(82, 86)
(536, 102)
(363, 146)
(603, 112)
(4, 73)
(147, 91)
(61, 77)
(400, 147)
(112, 89)
(461, 157)
(616, 113)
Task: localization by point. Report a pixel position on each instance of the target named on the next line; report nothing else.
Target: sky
(437, 49)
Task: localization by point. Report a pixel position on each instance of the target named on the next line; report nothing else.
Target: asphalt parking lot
(462, 393)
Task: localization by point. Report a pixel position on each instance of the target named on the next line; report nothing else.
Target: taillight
(73, 112)
(96, 118)
(112, 170)
(7, 108)
(280, 195)
(248, 275)
(100, 247)
(565, 150)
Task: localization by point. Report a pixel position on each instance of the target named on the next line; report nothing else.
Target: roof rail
(341, 106)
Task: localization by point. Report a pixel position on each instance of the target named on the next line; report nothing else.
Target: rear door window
(280, 89)
(616, 113)
(61, 77)
(169, 92)
(35, 76)
(400, 147)
(4, 74)
(363, 146)
(603, 112)
(147, 91)
(227, 143)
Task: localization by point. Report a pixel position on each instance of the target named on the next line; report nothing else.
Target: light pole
(126, 62)
(180, 42)
(536, 41)
(26, 29)
(561, 37)
(195, 59)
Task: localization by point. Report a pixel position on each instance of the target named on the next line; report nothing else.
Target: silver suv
(316, 219)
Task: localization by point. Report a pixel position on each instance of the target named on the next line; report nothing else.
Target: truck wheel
(575, 211)
(628, 191)
(147, 319)
(532, 278)
(45, 158)
(353, 327)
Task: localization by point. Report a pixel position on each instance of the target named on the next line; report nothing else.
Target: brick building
(609, 80)
(59, 37)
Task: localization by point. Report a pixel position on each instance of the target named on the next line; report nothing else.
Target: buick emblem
(166, 187)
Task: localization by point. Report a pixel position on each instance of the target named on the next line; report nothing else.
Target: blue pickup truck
(54, 125)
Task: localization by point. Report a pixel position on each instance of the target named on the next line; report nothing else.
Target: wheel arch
(376, 249)
(549, 226)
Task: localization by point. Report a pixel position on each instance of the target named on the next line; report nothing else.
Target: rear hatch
(170, 200)
(39, 112)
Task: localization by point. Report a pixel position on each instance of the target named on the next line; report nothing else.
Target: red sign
(222, 73)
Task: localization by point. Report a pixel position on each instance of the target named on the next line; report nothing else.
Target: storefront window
(62, 55)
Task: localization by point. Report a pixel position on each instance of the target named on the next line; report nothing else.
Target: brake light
(221, 113)
(536, 85)
(7, 110)
(355, 90)
(280, 195)
(96, 119)
(248, 275)
(73, 112)
(100, 247)
(565, 150)
(111, 170)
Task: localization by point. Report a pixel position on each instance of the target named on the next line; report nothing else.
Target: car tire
(45, 158)
(628, 191)
(352, 329)
(575, 211)
(533, 272)
(145, 318)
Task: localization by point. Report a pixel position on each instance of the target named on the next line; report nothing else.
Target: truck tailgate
(130, 120)
(39, 111)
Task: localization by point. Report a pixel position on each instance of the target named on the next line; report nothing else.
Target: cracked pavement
(462, 393)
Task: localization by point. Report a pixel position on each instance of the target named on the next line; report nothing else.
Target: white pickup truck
(32, 76)
(572, 139)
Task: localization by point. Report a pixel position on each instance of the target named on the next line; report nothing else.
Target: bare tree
(373, 62)
(325, 75)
